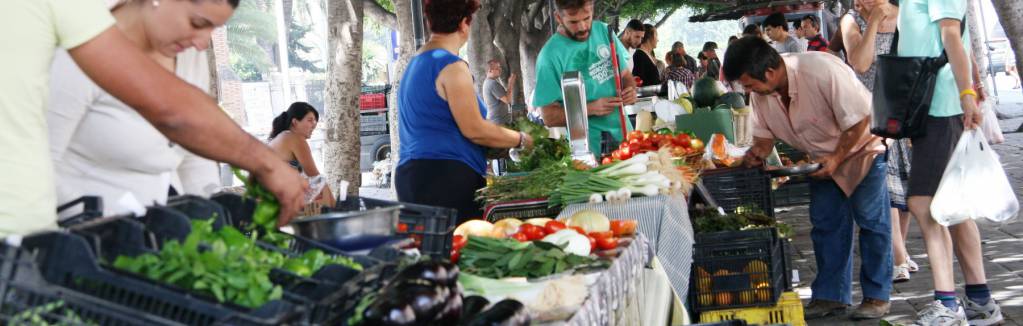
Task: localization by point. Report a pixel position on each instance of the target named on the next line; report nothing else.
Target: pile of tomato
(680, 144)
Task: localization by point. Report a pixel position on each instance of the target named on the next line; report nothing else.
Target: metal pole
(418, 23)
(282, 51)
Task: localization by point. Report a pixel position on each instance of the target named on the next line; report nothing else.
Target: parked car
(373, 127)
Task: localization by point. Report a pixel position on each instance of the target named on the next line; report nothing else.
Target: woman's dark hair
(751, 29)
(648, 33)
(233, 3)
(677, 60)
(297, 111)
(750, 55)
(444, 16)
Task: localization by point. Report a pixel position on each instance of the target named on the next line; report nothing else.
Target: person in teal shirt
(581, 44)
(926, 27)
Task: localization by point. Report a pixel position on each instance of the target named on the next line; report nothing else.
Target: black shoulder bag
(903, 90)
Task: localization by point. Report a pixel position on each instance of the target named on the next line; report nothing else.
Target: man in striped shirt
(811, 28)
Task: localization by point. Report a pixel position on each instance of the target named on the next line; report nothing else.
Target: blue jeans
(832, 214)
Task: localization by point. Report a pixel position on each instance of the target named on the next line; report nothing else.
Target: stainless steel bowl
(352, 231)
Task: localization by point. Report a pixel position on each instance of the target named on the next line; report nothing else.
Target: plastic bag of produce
(974, 185)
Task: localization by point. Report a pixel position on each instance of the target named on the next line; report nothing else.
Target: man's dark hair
(635, 25)
(732, 38)
(814, 21)
(571, 4)
(710, 46)
(777, 20)
(752, 56)
(751, 29)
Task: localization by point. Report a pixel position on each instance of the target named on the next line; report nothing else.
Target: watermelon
(705, 92)
(734, 100)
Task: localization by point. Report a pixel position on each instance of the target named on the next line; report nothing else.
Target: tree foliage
(249, 28)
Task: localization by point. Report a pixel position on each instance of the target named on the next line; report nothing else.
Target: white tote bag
(989, 124)
(974, 185)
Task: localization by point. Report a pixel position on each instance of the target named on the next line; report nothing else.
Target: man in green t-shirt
(581, 44)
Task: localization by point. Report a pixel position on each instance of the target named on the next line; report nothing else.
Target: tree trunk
(380, 14)
(506, 29)
(977, 47)
(344, 66)
(480, 48)
(664, 18)
(533, 34)
(406, 49)
(1010, 13)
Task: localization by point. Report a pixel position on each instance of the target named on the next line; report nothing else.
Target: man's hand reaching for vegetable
(289, 188)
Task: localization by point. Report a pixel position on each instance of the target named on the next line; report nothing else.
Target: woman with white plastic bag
(974, 185)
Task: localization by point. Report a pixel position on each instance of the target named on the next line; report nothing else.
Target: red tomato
(678, 151)
(454, 255)
(553, 226)
(623, 227)
(593, 244)
(665, 143)
(532, 232)
(682, 140)
(458, 242)
(616, 155)
(402, 228)
(601, 235)
(635, 134)
(607, 243)
(578, 229)
(635, 148)
(520, 236)
(606, 160)
(625, 152)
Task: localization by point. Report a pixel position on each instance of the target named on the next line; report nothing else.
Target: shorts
(932, 152)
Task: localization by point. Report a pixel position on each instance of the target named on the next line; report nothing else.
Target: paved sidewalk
(1003, 253)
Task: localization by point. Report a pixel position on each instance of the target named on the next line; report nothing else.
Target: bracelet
(522, 140)
(968, 91)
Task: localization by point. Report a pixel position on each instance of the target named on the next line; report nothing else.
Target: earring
(156, 3)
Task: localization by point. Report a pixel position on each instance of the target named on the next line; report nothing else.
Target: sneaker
(823, 308)
(871, 309)
(913, 267)
(901, 274)
(936, 314)
(978, 315)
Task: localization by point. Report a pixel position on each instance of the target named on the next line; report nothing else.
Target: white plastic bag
(989, 124)
(974, 185)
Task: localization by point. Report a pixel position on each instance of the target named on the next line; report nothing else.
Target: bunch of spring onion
(617, 181)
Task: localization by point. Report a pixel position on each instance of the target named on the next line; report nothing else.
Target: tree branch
(373, 9)
(664, 18)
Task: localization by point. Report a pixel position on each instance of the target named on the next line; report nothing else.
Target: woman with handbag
(935, 28)
(867, 31)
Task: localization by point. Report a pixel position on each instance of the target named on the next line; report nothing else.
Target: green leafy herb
(545, 150)
(498, 258)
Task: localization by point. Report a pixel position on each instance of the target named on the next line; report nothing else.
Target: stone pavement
(1003, 254)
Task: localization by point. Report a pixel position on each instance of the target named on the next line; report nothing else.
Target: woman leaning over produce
(443, 129)
(102, 147)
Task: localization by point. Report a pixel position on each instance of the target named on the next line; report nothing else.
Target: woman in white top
(288, 138)
(100, 146)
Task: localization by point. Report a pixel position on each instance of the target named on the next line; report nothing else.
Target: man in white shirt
(633, 36)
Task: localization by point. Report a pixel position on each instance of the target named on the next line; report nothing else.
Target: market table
(664, 220)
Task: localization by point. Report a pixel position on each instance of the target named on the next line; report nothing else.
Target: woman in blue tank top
(441, 118)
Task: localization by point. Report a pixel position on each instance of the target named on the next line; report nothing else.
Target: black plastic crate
(521, 210)
(25, 298)
(66, 260)
(376, 89)
(737, 269)
(792, 193)
(113, 238)
(431, 227)
(732, 188)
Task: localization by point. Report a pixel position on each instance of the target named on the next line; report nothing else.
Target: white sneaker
(978, 315)
(900, 274)
(913, 267)
(936, 314)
